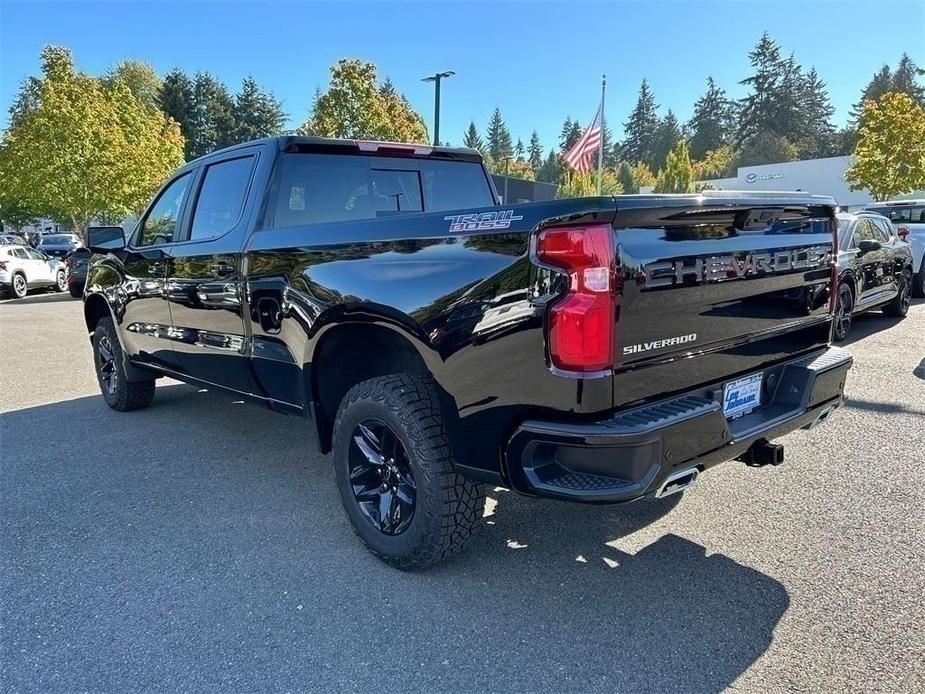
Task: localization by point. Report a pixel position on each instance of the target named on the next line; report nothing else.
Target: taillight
(581, 323)
(902, 232)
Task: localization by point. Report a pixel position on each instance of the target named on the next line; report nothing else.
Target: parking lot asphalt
(199, 545)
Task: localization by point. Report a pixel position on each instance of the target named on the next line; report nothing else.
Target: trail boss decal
(658, 344)
(485, 221)
(719, 268)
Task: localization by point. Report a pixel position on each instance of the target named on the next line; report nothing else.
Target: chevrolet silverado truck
(439, 340)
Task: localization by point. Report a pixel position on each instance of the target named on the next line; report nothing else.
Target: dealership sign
(754, 178)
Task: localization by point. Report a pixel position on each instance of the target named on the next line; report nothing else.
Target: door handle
(222, 268)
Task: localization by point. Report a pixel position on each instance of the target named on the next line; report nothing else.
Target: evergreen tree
(256, 113)
(498, 139)
(905, 80)
(677, 176)
(471, 138)
(610, 150)
(571, 131)
(212, 116)
(817, 137)
(641, 127)
(625, 176)
(550, 170)
(666, 138)
(879, 84)
(519, 150)
(176, 101)
(759, 110)
(711, 125)
(535, 151)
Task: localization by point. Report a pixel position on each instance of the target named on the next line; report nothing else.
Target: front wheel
(118, 392)
(899, 306)
(61, 281)
(844, 306)
(394, 471)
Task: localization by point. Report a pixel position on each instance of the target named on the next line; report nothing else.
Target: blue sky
(539, 62)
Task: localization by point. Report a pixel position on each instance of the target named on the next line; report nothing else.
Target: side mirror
(868, 245)
(105, 239)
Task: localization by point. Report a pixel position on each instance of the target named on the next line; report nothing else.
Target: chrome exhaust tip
(678, 482)
(823, 415)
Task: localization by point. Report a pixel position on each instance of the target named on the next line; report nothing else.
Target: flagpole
(600, 147)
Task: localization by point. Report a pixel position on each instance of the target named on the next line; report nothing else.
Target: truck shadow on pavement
(201, 543)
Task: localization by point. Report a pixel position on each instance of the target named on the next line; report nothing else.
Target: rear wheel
(118, 392)
(844, 305)
(899, 306)
(19, 288)
(76, 292)
(60, 281)
(918, 287)
(394, 470)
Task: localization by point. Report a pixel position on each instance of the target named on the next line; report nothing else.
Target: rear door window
(221, 198)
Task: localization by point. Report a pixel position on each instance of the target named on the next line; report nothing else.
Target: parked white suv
(23, 268)
(908, 216)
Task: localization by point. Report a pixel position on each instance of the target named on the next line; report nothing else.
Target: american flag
(581, 155)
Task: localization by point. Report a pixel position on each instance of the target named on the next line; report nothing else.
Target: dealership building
(817, 176)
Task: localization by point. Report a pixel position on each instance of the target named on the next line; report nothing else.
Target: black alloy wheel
(106, 365)
(381, 477)
(844, 305)
(899, 306)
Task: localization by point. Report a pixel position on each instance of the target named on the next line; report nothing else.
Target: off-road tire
(124, 395)
(447, 508)
(899, 306)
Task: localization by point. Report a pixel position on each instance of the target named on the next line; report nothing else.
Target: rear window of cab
(315, 188)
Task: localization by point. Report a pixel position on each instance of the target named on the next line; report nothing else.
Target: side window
(885, 229)
(21, 253)
(33, 254)
(221, 198)
(865, 231)
(161, 223)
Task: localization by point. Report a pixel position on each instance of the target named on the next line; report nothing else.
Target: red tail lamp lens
(581, 323)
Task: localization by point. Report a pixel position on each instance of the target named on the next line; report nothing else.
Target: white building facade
(816, 176)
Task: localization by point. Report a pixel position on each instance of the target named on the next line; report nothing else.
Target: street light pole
(435, 78)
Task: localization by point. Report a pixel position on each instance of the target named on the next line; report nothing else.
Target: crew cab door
(874, 281)
(38, 268)
(145, 319)
(204, 282)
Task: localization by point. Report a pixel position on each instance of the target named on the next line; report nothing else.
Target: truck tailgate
(716, 290)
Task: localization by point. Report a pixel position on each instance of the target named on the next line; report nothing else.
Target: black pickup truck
(440, 340)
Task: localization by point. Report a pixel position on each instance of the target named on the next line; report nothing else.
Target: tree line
(80, 148)
(786, 115)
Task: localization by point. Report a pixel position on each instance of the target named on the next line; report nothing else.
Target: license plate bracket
(742, 396)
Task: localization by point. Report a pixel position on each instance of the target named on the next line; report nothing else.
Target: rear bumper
(632, 453)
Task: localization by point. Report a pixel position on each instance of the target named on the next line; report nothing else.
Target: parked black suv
(595, 349)
(875, 269)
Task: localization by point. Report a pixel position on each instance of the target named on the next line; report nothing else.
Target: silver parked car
(23, 268)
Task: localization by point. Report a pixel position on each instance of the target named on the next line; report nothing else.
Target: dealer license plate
(742, 396)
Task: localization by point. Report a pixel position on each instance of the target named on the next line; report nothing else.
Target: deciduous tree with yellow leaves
(357, 106)
(890, 154)
(83, 150)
